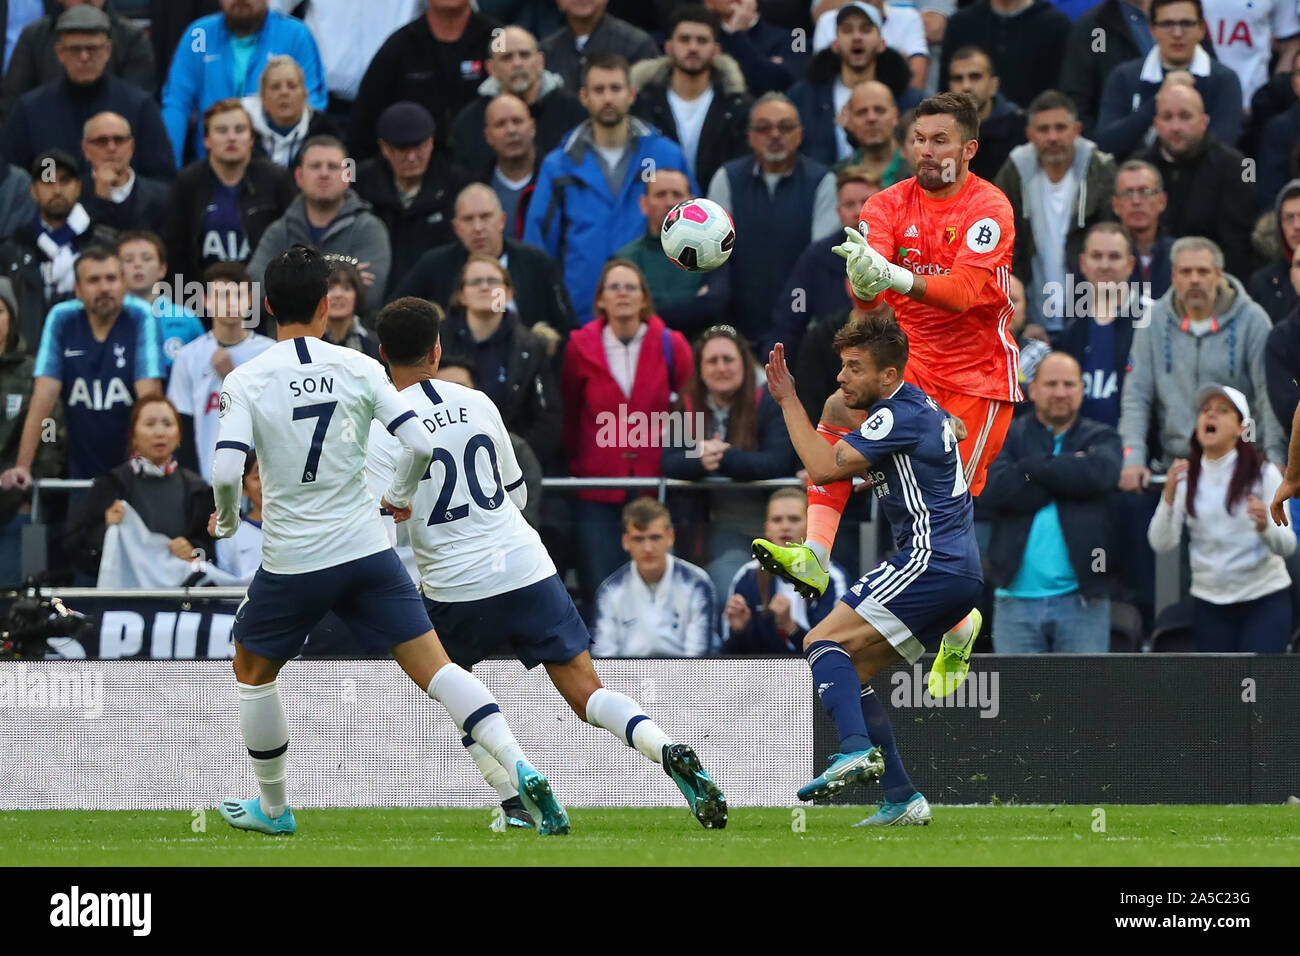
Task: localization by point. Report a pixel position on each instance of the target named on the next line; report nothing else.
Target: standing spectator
(1279, 142)
(625, 362)
(223, 203)
(203, 364)
(54, 114)
(409, 187)
(1048, 493)
(517, 67)
(777, 184)
(281, 116)
(1209, 193)
(1059, 184)
(169, 23)
(769, 55)
(15, 16)
(144, 273)
(656, 605)
(1025, 39)
(1002, 123)
(1087, 64)
(1282, 356)
(540, 298)
(113, 195)
(871, 120)
(1139, 201)
(1246, 36)
(222, 57)
(438, 61)
(686, 301)
(694, 95)
(763, 613)
(588, 32)
(511, 135)
(99, 353)
(17, 207)
(330, 216)
(1241, 590)
(343, 326)
(901, 30)
(35, 63)
(856, 56)
(1270, 285)
(1128, 101)
(586, 204)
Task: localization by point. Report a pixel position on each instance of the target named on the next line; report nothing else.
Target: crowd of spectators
(514, 161)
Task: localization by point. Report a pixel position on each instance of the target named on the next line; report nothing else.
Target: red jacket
(609, 445)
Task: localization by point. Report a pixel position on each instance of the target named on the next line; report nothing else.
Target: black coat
(1082, 480)
(146, 208)
(818, 364)
(1084, 71)
(1282, 368)
(554, 115)
(814, 98)
(773, 456)
(1026, 49)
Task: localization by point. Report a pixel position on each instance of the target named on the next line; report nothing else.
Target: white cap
(1237, 399)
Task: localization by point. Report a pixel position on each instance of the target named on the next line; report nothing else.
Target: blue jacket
(576, 218)
(201, 70)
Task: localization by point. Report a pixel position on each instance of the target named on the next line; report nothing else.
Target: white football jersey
(195, 388)
(1243, 32)
(470, 540)
(306, 406)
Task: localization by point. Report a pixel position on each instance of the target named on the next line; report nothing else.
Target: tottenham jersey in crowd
(195, 387)
(917, 475)
(469, 539)
(99, 378)
(306, 407)
(672, 618)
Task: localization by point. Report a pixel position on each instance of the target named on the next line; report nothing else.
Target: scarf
(58, 272)
(143, 467)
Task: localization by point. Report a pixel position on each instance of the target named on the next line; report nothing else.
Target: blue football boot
(865, 766)
(248, 815)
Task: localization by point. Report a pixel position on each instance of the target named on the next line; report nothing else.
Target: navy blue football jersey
(917, 475)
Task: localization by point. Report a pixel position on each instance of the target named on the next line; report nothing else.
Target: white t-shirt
(904, 30)
(1243, 34)
(306, 406)
(241, 554)
(195, 388)
(689, 117)
(1058, 203)
(469, 539)
(839, 97)
(348, 35)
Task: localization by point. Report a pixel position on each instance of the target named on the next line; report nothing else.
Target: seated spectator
(17, 207)
(871, 121)
(144, 273)
(1138, 203)
(437, 60)
(1270, 285)
(202, 365)
(1282, 355)
(281, 116)
(1246, 37)
(511, 135)
(1128, 101)
(816, 284)
(39, 259)
(687, 301)
(540, 298)
(1048, 495)
(343, 326)
(1002, 123)
(1087, 64)
(54, 114)
(1208, 194)
(776, 184)
(409, 187)
(222, 204)
(1025, 38)
(1278, 143)
(331, 217)
(901, 30)
(656, 605)
(768, 54)
(626, 362)
(114, 196)
(743, 439)
(516, 67)
(34, 61)
(1058, 184)
(238, 44)
(1241, 590)
(856, 56)
(695, 95)
(241, 553)
(588, 32)
(171, 500)
(763, 613)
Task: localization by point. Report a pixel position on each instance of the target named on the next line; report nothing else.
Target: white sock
(613, 711)
(820, 553)
(261, 719)
(475, 711)
(960, 634)
(493, 772)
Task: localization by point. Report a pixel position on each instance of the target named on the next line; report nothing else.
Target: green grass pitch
(822, 836)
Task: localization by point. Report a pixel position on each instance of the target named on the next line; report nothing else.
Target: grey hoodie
(1169, 365)
(550, 83)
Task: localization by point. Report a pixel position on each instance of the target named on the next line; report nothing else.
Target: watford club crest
(950, 234)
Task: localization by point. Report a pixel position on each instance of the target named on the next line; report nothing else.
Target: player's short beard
(932, 180)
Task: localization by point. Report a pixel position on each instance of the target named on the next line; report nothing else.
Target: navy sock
(898, 786)
(837, 686)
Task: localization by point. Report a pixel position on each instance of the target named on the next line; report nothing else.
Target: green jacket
(668, 282)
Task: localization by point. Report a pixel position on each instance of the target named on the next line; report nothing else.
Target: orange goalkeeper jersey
(971, 352)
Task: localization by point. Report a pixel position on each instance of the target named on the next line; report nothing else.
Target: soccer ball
(698, 235)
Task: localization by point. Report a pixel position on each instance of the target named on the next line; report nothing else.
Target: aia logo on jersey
(950, 234)
(1230, 33)
(215, 404)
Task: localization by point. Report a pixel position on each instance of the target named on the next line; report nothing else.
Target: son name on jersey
(310, 386)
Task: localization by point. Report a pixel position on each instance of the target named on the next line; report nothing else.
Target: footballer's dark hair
(607, 61)
(95, 253)
(1157, 4)
(143, 235)
(295, 282)
(408, 329)
(462, 362)
(1052, 100)
(960, 106)
(232, 271)
(879, 335)
(694, 13)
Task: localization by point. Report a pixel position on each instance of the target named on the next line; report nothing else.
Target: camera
(33, 619)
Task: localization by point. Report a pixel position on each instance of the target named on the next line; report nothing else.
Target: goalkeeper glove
(869, 272)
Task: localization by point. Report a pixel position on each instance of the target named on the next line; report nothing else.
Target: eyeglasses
(84, 49)
(622, 287)
(785, 128)
(109, 140)
(483, 280)
(1143, 193)
(1177, 26)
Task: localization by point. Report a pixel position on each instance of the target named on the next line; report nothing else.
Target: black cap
(405, 124)
(59, 158)
(82, 19)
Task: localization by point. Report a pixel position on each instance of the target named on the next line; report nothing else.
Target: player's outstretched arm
(417, 450)
(825, 464)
